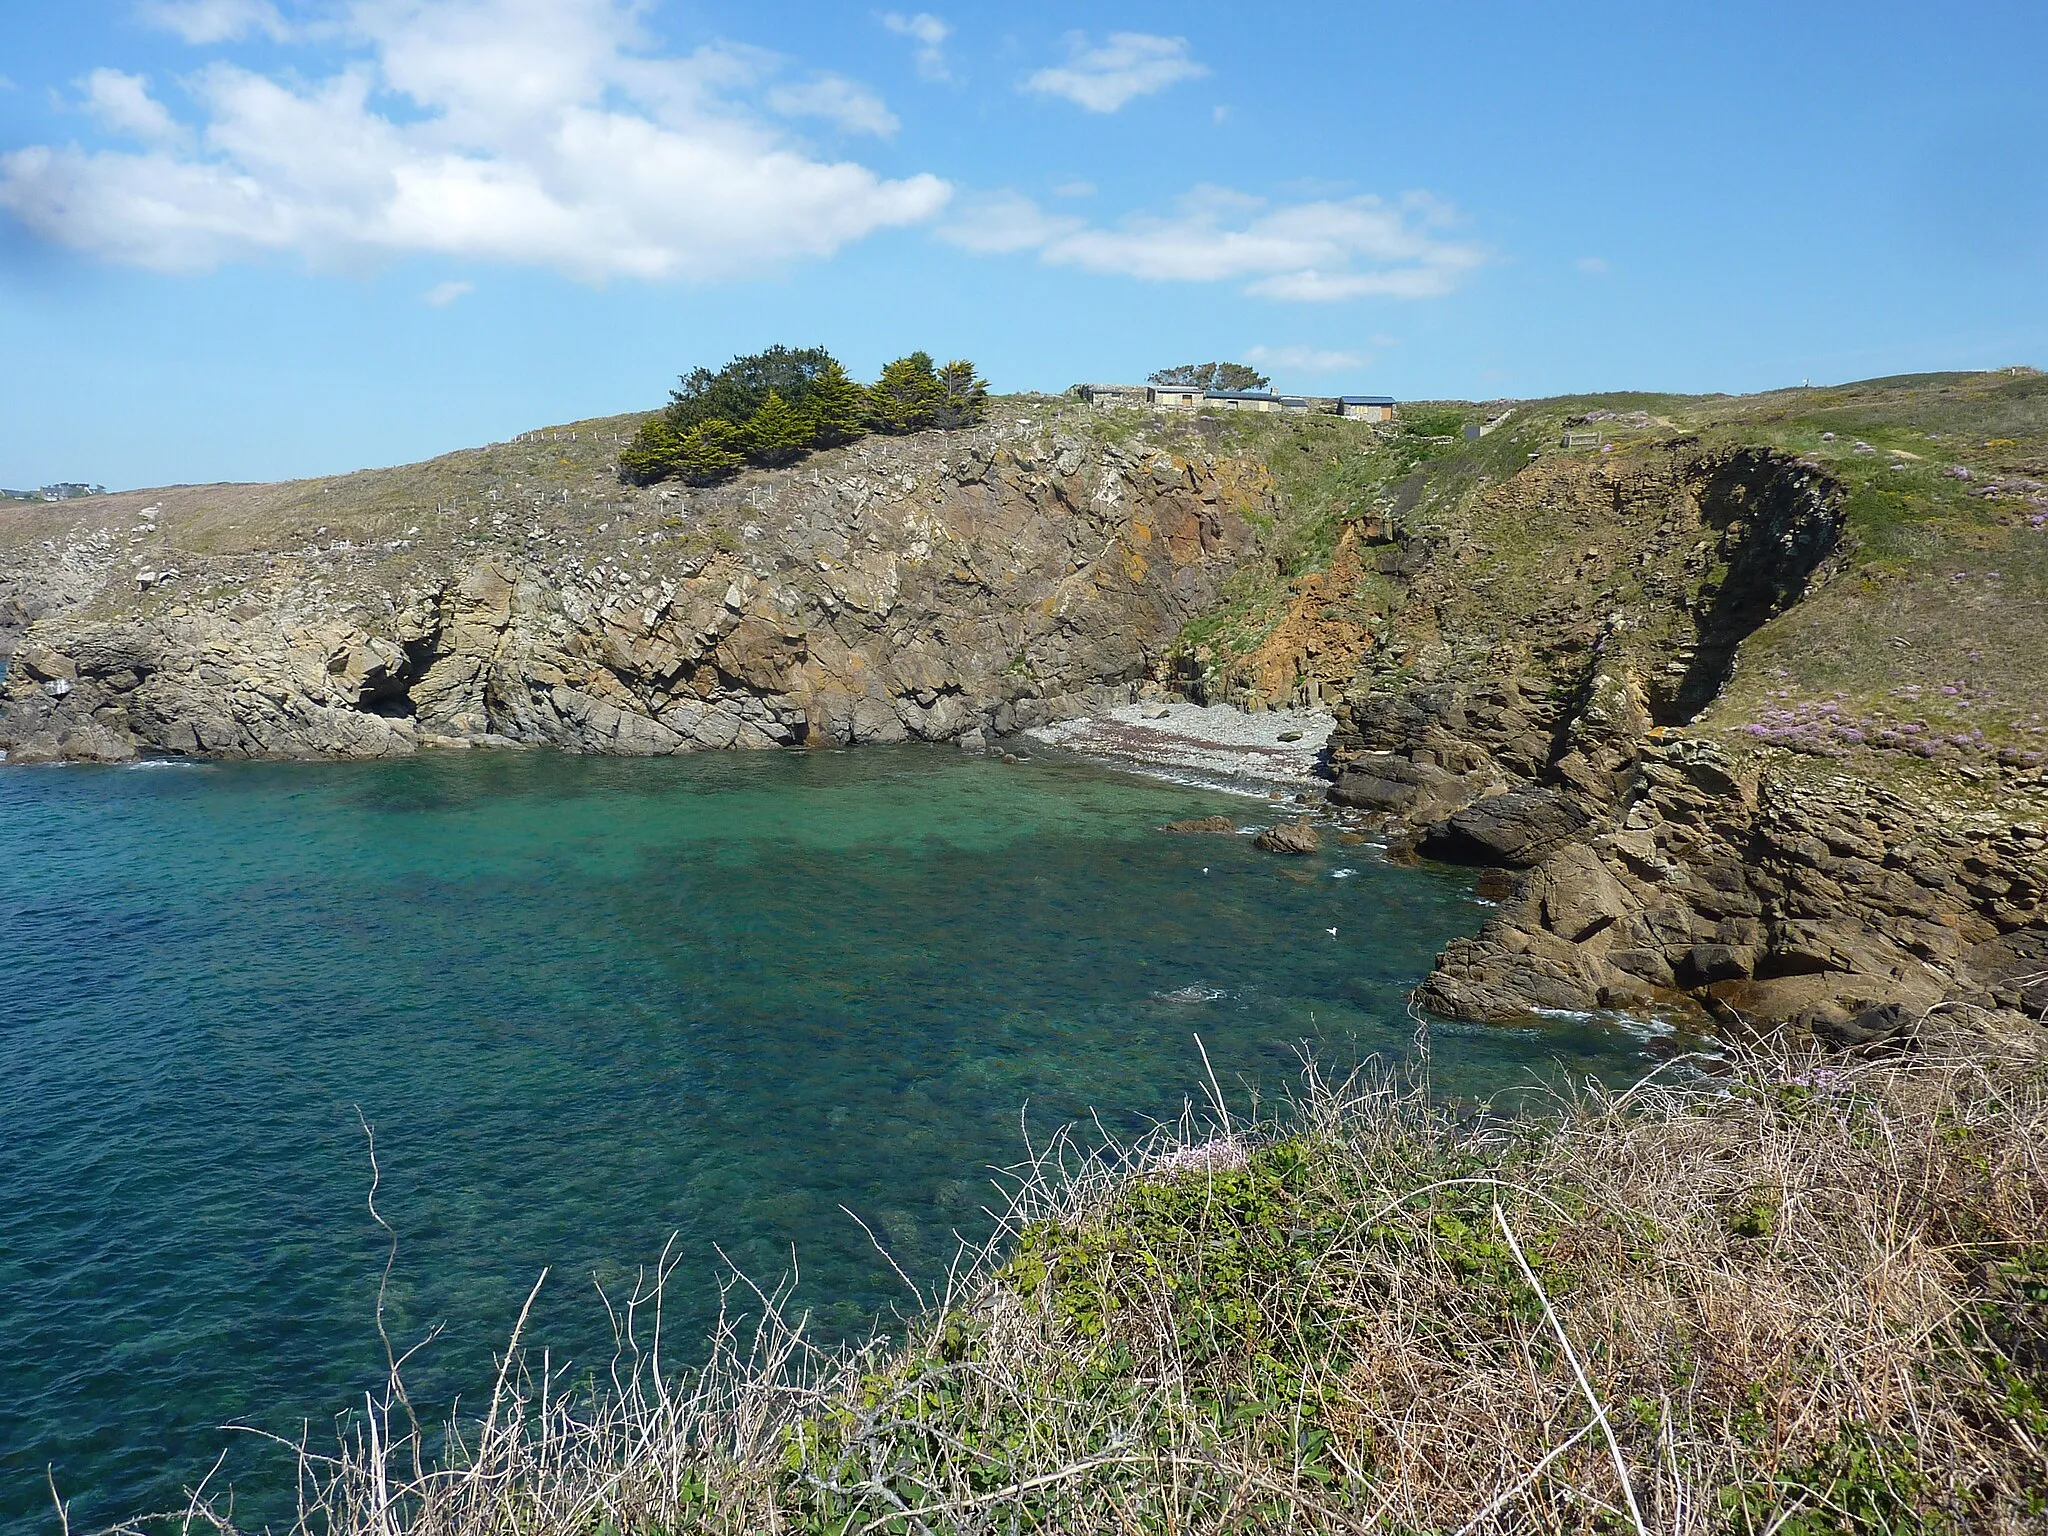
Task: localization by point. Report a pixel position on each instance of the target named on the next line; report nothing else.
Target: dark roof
(1365, 400)
(1239, 394)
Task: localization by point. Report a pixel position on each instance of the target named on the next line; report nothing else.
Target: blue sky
(246, 239)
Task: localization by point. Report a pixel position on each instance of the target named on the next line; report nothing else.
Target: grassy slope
(1804, 1297)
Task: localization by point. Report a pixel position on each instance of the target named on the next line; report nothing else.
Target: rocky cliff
(924, 587)
(1746, 764)
(1741, 698)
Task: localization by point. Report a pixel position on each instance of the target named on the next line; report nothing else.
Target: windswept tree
(1230, 376)
(737, 390)
(773, 407)
(777, 433)
(838, 407)
(651, 456)
(708, 452)
(908, 395)
(964, 395)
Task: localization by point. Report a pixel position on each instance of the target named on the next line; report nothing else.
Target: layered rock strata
(920, 588)
(1662, 869)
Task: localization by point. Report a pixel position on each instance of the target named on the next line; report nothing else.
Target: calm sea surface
(588, 1004)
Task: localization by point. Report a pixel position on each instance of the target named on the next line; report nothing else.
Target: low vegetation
(773, 407)
(1759, 1294)
(1231, 376)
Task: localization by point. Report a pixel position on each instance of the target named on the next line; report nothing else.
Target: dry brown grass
(1773, 1295)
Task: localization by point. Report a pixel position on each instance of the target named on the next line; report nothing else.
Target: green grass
(1790, 1295)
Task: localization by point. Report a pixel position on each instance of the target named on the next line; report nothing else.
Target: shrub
(773, 407)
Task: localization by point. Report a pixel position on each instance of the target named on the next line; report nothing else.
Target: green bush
(773, 407)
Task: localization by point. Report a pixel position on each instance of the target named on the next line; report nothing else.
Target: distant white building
(1192, 397)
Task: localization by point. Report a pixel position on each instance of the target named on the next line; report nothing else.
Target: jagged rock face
(1547, 734)
(1763, 900)
(1577, 608)
(918, 588)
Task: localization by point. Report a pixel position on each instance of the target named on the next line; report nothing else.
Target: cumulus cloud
(1303, 359)
(533, 131)
(1315, 251)
(844, 102)
(122, 104)
(1128, 65)
(930, 34)
(441, 295)
(215, 21)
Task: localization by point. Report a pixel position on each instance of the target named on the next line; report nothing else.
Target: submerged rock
(1221, 824)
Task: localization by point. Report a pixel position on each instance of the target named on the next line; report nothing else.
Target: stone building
(1366, 407)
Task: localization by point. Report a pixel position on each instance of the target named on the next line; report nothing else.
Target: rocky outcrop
(1763, 898)
(902, 589)
(1662, 871)
(1294, 837)
(1202, 825)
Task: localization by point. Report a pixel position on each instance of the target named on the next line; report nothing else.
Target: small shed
(1243, 400)
(1104, 396)
(1366, 407)
(1177, 397)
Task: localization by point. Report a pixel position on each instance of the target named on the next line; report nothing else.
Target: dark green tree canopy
(1233, 376)
(738, 389)
(773, 407)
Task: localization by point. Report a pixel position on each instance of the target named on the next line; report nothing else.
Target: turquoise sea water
(588, 1004)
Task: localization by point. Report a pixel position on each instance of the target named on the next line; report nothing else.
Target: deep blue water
(588, 1004)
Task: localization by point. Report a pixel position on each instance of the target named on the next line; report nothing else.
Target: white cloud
(1592, 266)
(930, 34)
(1074, 189)
(215, 21)
(441, 295)
(1128, 65)
(1314, 251)
(838, 100)
(532, 131)
(1304, 359)
(1001, 222)
(122, 103)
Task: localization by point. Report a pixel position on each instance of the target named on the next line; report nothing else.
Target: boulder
(1518, 829)
(1419, 792)
(1289, 837)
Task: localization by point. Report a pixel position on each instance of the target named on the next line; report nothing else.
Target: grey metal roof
(1365, 399)
(1238, 394)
